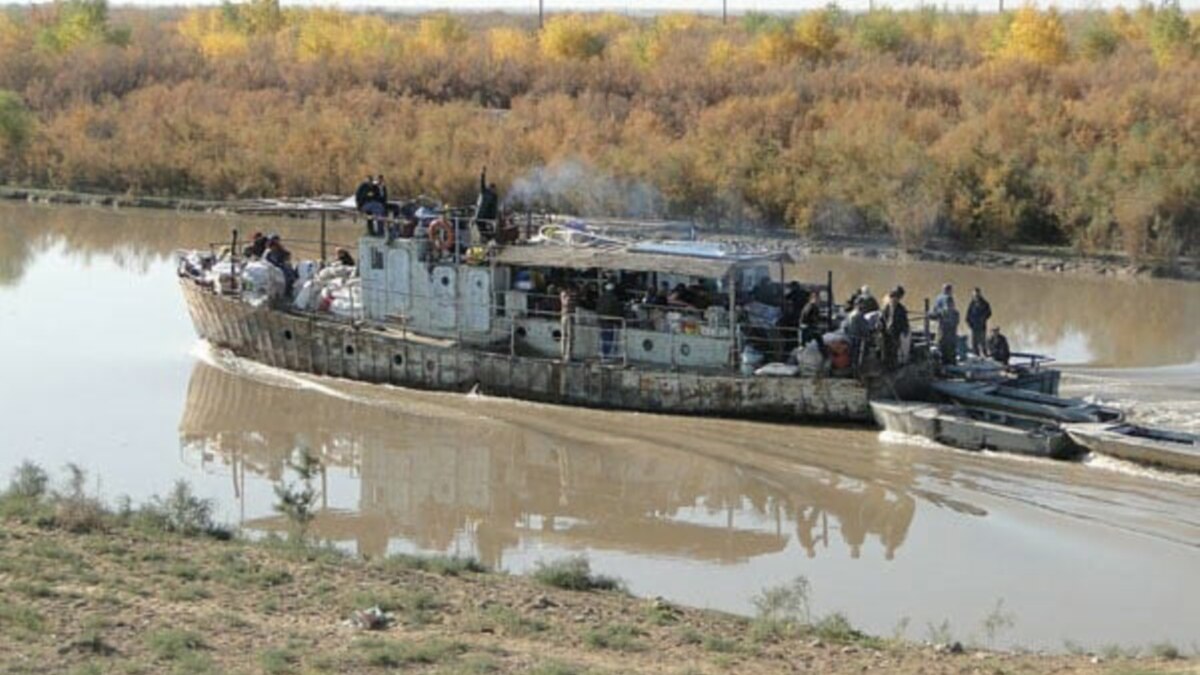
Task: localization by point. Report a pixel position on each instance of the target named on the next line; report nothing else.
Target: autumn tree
(1038, 37)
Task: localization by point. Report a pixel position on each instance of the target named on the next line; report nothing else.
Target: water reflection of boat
(436, 483)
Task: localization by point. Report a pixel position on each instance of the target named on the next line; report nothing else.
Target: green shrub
(172, 644)
(574, 574)
(615, 636)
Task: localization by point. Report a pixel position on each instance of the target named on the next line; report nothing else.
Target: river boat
(427, 313)
(1026, 402)
(1170, 449)
(975, 428)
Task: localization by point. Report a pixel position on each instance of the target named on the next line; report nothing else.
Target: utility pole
(542, 13)
(724, 12)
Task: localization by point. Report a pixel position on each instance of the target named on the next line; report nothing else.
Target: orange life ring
(441, 234)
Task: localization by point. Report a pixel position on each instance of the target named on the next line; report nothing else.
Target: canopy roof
(631, 259)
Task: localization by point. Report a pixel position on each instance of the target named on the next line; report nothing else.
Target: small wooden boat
(1026, 403)
(975, 428)
(1146, 445)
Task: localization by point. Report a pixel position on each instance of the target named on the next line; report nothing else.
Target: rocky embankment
(120, 599)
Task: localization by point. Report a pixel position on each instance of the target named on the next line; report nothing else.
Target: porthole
(521, 332)
(685, 350)
(648, 345)
(445, 281)
(287, 334)
(557, 335)
(398, 360)
(349, 350)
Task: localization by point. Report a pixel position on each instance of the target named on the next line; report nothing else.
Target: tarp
(622, 258)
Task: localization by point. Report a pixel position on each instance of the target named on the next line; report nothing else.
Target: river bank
(118, 598)
(1051, 260)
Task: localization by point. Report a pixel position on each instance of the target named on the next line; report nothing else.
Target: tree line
(1029, 126)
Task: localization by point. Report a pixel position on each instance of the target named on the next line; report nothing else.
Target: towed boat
(975, 428)
(1027, 403)
(1178, 450)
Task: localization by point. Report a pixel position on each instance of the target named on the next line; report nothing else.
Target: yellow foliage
(330, 34)
(570, 37)
(609, 24)
(775, 47)
(10, 33)
(1036, 36)
(510, 44)
(1127, 26)
(439, 33)
(816, 34)
(722, 53)
(208, 30)
(677, 22)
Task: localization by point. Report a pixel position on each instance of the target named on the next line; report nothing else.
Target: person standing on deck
(858, 330)
(611, 313)
(943, 301)
(895, 329)
(978, 313)
(869, 303)
(566, 301)
(280, 257)
(487, 206)
(810, 319)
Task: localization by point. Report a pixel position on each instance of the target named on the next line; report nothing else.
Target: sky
(643, 6)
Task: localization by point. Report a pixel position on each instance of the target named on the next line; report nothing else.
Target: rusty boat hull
(309, 343)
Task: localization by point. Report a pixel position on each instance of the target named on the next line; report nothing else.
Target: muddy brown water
(102, 369)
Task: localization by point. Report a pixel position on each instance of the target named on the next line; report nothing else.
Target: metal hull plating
(308, 344)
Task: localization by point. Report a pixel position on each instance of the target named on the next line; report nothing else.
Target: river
(103, 369)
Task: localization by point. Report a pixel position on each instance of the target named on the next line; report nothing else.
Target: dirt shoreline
(120, 599)
(1023, 258)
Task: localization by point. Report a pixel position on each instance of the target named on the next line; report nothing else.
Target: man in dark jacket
(997, 347)
(367, 192)
(978, 313)
(895, 327)
(487, 206)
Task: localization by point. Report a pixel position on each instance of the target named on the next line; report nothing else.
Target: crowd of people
(403, 219)
(867, 320)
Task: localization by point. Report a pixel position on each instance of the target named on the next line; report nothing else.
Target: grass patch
(574, 574)
(187, 593)
(449, 566)
(172, 644)
(836, 629)
(19, 617)
(614, 636)
(720, 645)
(382, 653)
(34, 590)
(556, 668)
(507, 621)
(1165, 650)
(279, 661)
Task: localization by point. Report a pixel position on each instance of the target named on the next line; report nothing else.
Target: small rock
(1097, 660)
(542, 602)
(371, 619)
(956, 648)
(849, 650)
(816, 644)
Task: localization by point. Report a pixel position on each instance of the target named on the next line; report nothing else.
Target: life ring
(441, 235)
